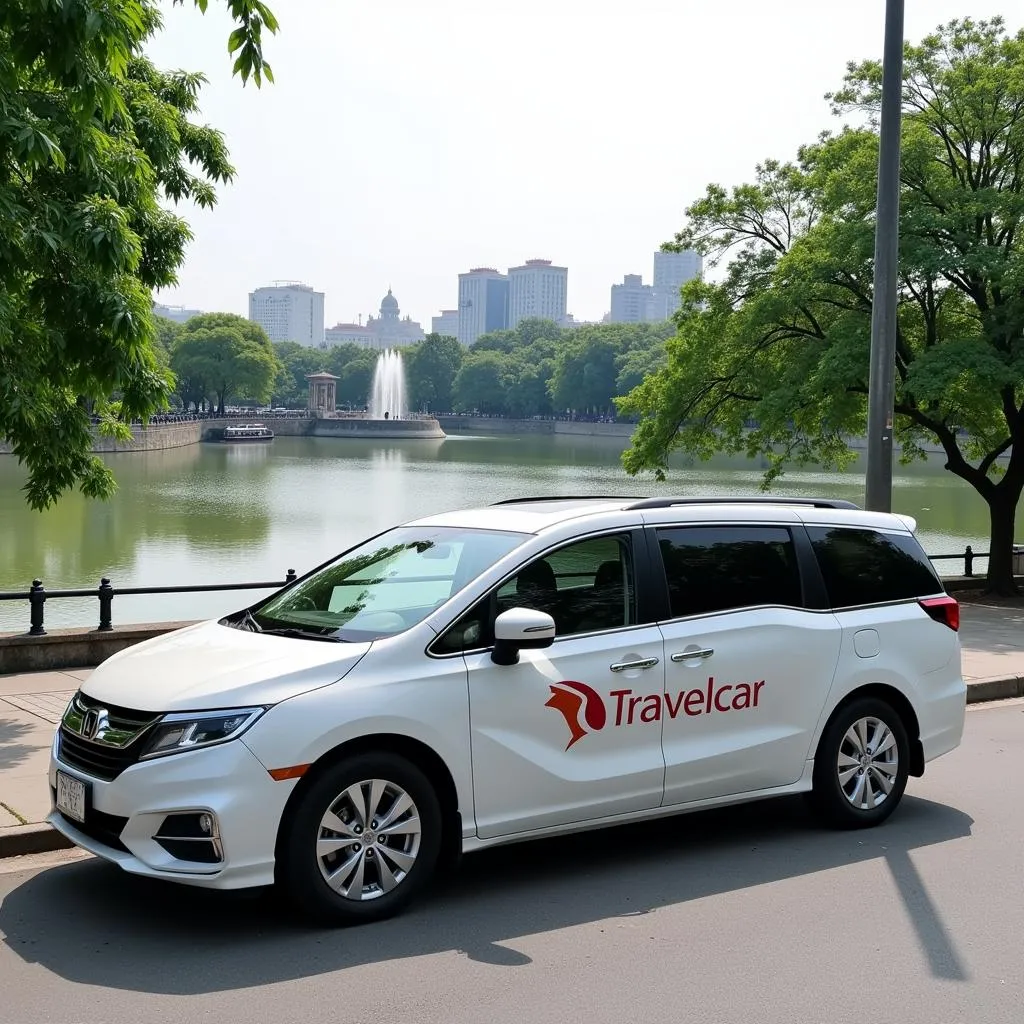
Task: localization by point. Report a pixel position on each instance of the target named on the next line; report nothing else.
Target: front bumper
(226, 781)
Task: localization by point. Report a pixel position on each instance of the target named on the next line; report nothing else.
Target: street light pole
(881, 383)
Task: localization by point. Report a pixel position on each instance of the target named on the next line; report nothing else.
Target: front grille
(98, 759)
(95, 759)
(104, 828)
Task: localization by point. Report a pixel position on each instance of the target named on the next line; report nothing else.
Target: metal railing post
(106, 595)
(969, 561)
(36, 600)
(290, 577)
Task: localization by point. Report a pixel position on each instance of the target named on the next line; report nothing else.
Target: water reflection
(213, 512)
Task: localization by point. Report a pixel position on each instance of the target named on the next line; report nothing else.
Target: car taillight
(944, 609)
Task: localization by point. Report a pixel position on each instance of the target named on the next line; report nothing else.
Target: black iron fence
(37, 595)
(968, 557)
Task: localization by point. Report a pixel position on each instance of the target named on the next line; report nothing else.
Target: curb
(21, 840)
(997, 688)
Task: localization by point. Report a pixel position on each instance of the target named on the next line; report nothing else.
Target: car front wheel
(862, 764)
(363, 841)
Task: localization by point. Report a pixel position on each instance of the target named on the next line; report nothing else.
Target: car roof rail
(568, 497)
(834, 503)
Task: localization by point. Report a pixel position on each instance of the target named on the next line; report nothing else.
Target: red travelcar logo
(575, 700)
(584, 710)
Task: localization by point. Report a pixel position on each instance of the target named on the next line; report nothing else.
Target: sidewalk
(31, 707)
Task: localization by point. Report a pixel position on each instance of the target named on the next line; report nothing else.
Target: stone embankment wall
(496, 425)
(423, 429)
(161, 436)
(282, 426)
(156, 437)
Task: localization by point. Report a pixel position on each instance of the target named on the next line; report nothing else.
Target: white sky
(405, 141)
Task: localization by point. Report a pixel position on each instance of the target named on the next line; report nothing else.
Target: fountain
(387, 399)
(388, 413)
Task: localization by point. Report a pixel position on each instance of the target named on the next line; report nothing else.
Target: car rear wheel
(862, 764)
(363, 841)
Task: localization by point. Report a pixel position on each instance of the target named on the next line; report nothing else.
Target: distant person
(386, 415)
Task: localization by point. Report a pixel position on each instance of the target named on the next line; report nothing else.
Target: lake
(211, 513)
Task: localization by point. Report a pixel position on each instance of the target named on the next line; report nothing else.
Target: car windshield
(386, 585)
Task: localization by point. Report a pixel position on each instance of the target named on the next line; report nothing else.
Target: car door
(748, 666)
(572, 732)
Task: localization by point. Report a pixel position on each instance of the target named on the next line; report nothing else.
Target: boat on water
(246, 433)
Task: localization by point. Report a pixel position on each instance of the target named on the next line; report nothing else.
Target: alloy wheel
(368, 840)
(868, 763)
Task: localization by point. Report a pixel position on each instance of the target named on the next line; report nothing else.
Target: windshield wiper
(250, 620)
(242, 620)
(301, 634)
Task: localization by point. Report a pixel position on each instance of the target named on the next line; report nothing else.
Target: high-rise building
(483, 303)
(447, 324)
(179, 314)
(537, 289)
(671, 271)
(632, 301)
(289, 311)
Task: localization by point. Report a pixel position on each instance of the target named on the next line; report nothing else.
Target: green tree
(643, 355)
(586, 372)
(167, 334)
(773, 358)
(93, 140)
(338, 357)
(290, 388)
(431, 368)
(526, 333)
(525, 379)
(225, 356)
(479, 385)
(356, 379)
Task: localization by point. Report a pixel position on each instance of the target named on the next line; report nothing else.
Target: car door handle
(622, 666)
(704, 652)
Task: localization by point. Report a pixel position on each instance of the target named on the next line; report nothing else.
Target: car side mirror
(521, 629)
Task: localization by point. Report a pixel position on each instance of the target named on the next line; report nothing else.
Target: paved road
(748, 915)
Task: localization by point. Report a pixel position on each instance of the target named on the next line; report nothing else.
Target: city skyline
(631, 120)
(487, 300)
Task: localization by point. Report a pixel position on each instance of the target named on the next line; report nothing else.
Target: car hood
(209, 666)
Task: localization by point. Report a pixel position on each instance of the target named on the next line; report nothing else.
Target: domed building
(389, 330)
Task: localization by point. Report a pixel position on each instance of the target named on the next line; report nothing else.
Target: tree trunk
(1002, 507)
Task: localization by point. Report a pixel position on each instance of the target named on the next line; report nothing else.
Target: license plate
(71, 796)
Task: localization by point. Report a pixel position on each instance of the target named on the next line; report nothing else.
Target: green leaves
(773, 358)
(222, 356)
(93, 139)
(479, 386)
(431, 368)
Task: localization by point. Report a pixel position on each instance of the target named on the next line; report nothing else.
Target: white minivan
(512, 672)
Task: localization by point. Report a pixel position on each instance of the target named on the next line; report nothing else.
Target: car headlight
(191, 729)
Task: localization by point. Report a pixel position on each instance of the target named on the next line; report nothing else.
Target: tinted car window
(585, 587)
(717, 568)
(868, 567)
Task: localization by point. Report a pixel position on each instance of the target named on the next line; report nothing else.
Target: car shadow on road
(90, 923)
